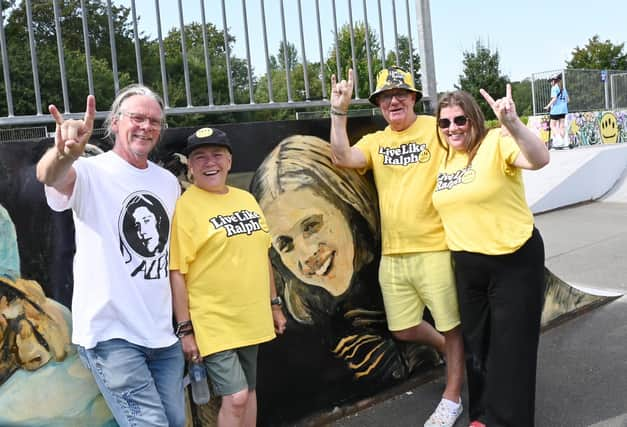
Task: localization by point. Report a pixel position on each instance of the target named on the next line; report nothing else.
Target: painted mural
(587, 128)
(336, 349)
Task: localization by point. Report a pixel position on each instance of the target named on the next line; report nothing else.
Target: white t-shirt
(122, 218)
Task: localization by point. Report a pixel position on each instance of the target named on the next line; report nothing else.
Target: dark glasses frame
(458, 120)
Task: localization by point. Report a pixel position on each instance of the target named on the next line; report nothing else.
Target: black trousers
(500, 301)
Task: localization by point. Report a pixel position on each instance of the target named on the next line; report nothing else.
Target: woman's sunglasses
(446, 123)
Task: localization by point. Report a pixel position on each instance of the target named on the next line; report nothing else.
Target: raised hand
(504, 108)
(341, 92)
(72, 135)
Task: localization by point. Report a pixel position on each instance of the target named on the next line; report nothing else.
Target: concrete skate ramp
(576, 176)
(618, 193)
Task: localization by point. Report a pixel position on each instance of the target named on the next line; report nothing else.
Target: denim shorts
(142, 386)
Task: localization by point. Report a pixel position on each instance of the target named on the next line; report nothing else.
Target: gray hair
(125, 93)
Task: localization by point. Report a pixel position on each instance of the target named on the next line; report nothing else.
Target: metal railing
(202, 65)
(588, 90)
(618, 83)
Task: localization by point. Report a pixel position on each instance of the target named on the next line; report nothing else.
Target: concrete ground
(582, 374)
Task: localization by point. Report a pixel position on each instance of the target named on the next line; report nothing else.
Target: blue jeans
(142, 386)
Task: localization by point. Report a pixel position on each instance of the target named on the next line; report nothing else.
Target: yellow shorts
(409, 282)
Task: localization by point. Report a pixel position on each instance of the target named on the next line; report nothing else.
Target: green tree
(292, 56)
(198, 79)
(599, 55)
(346, 61)
(403, 59)
(481, 70)
(521, 92)
(74, 55)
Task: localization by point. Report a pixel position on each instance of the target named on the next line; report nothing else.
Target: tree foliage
(360, 69)
(599, 55)
(403, 59)
(481, 70)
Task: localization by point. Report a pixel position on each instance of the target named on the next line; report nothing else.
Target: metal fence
(20, 134)
(618, 83)
(194, 73)
(588, 90)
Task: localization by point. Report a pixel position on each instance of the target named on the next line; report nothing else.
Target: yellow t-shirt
(405, 165)
(483, 206)
(220, 244)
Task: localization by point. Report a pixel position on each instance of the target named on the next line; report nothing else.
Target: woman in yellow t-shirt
(497, 252)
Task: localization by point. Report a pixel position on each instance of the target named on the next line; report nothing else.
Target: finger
(508, 91)
(487, 97)
(333, 81)
(350, 77)
(71, 132)
(60, 144)
(55, 113)
(90, 112)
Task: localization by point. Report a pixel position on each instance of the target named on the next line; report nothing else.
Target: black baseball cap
(207, 136)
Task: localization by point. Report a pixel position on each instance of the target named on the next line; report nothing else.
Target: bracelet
(182, 333)
(338, 112)
(182, 327)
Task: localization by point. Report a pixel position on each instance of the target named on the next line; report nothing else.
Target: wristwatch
(276, 301)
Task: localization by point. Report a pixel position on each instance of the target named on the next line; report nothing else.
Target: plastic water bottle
(198, 380)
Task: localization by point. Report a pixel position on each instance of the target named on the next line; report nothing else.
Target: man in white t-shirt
(122, 206)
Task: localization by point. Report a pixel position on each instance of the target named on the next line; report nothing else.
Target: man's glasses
(139, 119)
(458, 120)
(386, 97)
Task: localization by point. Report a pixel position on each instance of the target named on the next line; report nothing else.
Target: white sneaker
(445, 415)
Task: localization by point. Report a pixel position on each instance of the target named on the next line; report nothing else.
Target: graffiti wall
(587, 128)
(336, 348)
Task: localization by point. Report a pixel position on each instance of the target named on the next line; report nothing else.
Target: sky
(530, 36)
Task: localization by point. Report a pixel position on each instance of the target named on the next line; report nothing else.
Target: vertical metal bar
(353, 54)
(57, 25)
(114, 55)
(337, 47)
(205, 45)
(322, 76)
(138, 56)
(533, 93)
(381, 34)
(5, 65)
(188, 91)
(265, 47)
(285, 56)
(410, 47)
(227, 52)
(33, 55)
(251, 96)
(302, 47)
(606, 90)
(398, 63)
(425, 43)
(90, 73)
(162, 61)
(368, 56)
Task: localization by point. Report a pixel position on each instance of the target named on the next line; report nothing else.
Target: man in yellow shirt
(225, 300)
(415, 270)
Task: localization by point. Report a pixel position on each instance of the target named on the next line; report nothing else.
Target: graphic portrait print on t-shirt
(405, 154)
(144, 228)
(447, 181)
(239, 222)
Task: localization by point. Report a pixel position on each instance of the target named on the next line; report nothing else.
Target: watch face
(276, 301)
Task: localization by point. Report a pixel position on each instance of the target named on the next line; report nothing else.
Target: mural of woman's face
(313, 239)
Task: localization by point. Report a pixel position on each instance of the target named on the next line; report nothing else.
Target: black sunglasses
(446, 123)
